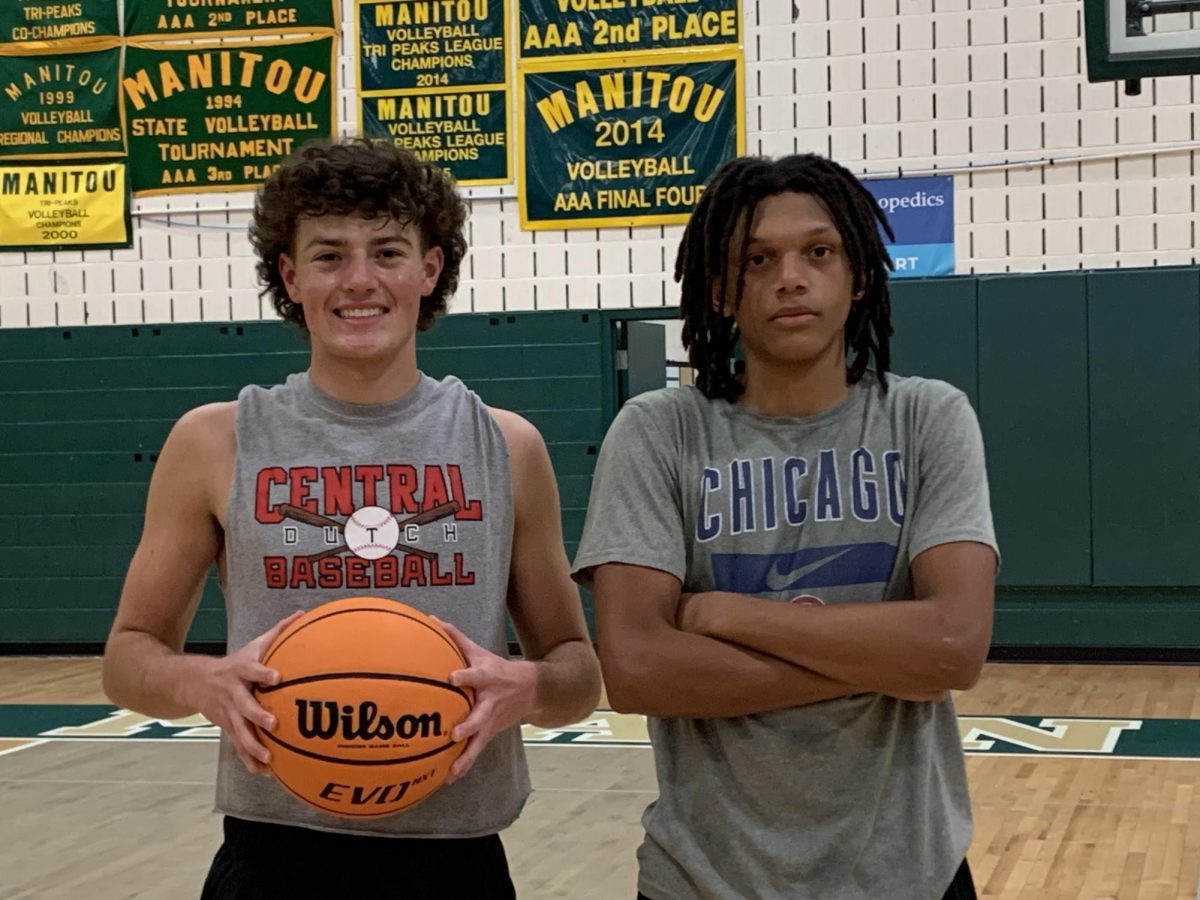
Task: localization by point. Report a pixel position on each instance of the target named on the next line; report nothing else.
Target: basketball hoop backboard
(1131, 39)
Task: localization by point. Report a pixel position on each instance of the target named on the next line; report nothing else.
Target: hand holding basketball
(505, 694)
(224, 697)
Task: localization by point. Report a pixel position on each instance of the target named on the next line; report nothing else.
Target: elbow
(109, 682)
(961, 664)
(575, 697)
(584, 703)
(624, 682)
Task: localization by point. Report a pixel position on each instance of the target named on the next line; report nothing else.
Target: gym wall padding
(1087, 386)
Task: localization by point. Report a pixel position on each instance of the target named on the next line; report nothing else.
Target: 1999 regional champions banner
(62, 105)
(625, 143)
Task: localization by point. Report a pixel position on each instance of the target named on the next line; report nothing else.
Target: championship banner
(407, 44)
(462, 131)
(62, 106)
(921, 213)
(221, 117)
(201, 18)
(629, 143)
(576, 27)
(59, 207)
(46, 21)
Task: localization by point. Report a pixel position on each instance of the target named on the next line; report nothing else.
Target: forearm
(895, 647)
(676, 674)
(143, 674)
(566, 685)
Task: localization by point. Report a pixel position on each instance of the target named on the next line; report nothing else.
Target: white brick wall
(950, 85)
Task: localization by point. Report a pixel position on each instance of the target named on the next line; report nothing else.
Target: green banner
(626, 144)
(222, 117)
(40, 21)
(575, 27)
(165, 18)
(406, 44)
(61, 106)
(464, 132)
(57, 206)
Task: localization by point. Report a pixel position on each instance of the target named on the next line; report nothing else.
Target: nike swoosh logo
(791, 577)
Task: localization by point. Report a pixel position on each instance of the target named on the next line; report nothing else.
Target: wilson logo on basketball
(326, 720)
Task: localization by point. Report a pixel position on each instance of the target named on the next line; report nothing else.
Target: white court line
(33, 742)
(96, 781)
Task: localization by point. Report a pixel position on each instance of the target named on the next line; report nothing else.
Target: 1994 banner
(628, 143)
(222, 117)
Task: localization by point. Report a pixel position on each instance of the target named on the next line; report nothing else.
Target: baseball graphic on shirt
(372, 532)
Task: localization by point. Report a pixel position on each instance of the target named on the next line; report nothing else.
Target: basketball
(364, 707)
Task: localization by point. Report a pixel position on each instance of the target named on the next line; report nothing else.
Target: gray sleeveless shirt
(306, 463)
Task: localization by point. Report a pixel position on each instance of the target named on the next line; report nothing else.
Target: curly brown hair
(356, 176)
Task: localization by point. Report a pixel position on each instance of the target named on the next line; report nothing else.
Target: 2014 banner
(409, 44)
(221, 117)
(627, 142)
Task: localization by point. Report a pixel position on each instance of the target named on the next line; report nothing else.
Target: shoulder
(915, 388)
(668, 411)
(522, 437)
(197, 460)
(923, 396)
(207, 429)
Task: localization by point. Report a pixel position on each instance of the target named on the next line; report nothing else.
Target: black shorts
(280, 862)
(961, 888)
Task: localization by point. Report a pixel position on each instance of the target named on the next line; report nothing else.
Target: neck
(775, 388)
(365, 381)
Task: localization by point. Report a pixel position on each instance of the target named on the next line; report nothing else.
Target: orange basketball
(364, 707)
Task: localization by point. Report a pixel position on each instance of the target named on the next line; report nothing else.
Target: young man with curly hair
(359, 244)
(793, 565)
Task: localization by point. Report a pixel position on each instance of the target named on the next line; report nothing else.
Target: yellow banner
(55, 207)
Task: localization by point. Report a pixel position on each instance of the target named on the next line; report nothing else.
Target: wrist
(529, 679)
(186, 677)
(707, 618)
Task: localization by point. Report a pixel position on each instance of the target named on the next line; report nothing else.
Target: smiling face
(360, 282)
(798, 285)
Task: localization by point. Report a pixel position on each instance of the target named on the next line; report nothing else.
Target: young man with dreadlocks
(359, 244)
(793, 565)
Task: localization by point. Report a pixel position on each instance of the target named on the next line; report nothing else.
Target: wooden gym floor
(108, 819)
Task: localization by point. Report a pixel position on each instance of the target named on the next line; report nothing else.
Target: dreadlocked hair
(719, 230)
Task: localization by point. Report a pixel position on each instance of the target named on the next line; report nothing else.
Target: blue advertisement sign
(921, 213)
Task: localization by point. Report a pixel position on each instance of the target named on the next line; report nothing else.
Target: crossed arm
(719, 654)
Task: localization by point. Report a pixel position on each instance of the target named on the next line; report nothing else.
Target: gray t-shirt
(858, 798)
